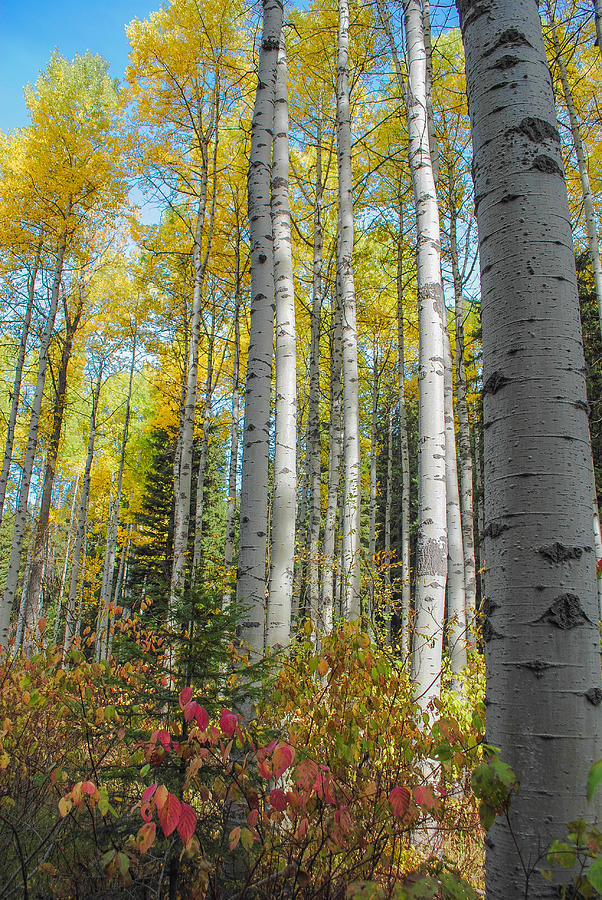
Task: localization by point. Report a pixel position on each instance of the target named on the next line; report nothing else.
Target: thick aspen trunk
(106, 592)
(431, 550)
(456, 594)
(351, 427)
(598, 20)
(313, 418)
(404, 451)
(430, 117)
(254, 488)
(16, 391)
(284, 507)
(582, 165)
(82, 520)
(541, 615)
(30, 451)
(465, 455)
(35, 582)
(334, 466)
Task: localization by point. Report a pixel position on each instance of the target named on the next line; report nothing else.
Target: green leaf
(594, 875)
(594, 779)
(455, 888)
(562, 854)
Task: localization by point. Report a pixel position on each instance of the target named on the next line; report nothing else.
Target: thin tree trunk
(35, 583)
(313, 418)
(70, 537)
(431, 550)
(82, 519)
(102, 639)
(373, 485)
(388, 511)
(465, 455)
(351, 425)
(20, 633)
(200, 483)
(234, 427)
(334, 466)
(456, 594)
(541, 633)
(430, 116)
(32, 442)
(404, 450)
(598, 19)
(284, 508)
(16, 393)
(588, 199)
(254, 490)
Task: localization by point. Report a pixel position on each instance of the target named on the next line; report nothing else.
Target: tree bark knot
(505, 62)
(495, 383)
(494, 529)
(537, 666)
(594, 695)
(547, 165)
(512, 37)
(489, 633)
(536, 130)
(558, 553)
(565, 612)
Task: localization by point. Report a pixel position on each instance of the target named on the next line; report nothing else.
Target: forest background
(126, 347)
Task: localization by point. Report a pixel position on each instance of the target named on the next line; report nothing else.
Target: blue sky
(31, 29)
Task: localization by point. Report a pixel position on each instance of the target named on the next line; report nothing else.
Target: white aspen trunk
(21, 617)
(479, 513)
(184, 480)
(430, 117)
(284, 506)
(431, 550)
(373, 485)
(16, 392)
(388, 510)
(541, 631)
(235, 424)
(313, 417)
(200, 484)
(334, 466)
(464, 450)
(32, 442)
(582, 165)
(351, 422)
(456, 594)
(250, 588)
(102, 638)
(82, 520)
(70, 537)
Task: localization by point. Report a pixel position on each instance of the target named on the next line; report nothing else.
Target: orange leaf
(283, 757)
(161, 796)
(424, 797)
(146, 836)
(305, 774)
(234, 837)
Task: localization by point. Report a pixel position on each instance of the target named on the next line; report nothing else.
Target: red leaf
(343, 818)
(189, 710)
(187, 823)
(148, 792)
(169, 814)
(399, 798)
(228, 722)
(185, 697)
(164, 738)
(202, 717)
(283, 757)
(278, 799)
(146, 812)
(252, 817)
(305, 775)
(88, 788)
(424, 797)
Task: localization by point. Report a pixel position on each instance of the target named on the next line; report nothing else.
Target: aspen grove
(301, 401)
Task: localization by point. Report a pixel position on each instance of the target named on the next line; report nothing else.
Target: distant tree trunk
(404, 450)
(431, 550)
(588, 199)
(199, 261)
(388, 510)
(598, 18)
(373, 484)
(20, 632)
(334, 466)
(254, 490)
(16, 392)
(35, 582)
(456, 594)
(106, 592)
(200, 484)
(32, 442)
(542, 642)
(70, 537)
(82, 519)
(235, 425)
(351, 426)
(465, 455)
(313, 418)
(284, 509)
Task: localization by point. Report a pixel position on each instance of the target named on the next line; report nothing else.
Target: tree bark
(431, 550)
(16, 393)
(32, 442)
(70, 537)
(200, 484)
(235, 424)
(334, 466)
(404, 450)
(351, 426)
(541, 617)
(284, 506)
(598, 20)
(254, 489)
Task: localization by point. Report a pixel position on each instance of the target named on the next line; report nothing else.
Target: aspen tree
(541, 615)
(351, 435)
(284, 504)
(250, 587)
